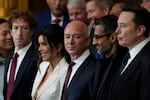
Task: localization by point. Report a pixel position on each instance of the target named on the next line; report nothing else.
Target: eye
(66, 36)
(77, 36)
(15, 27)
(25, 28)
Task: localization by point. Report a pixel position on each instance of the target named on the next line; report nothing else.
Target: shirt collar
(134, 51)
(24, 49)
(84, 55)
(53, 17)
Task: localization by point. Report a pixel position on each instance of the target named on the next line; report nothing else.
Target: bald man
(77, 41)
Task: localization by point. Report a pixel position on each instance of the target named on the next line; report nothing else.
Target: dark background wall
(37, 5)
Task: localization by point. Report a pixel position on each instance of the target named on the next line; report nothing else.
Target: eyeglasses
(99, 36)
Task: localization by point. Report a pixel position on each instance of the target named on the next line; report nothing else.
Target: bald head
(76, 38)
(77, 25)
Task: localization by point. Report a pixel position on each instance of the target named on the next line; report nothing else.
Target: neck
(55, 61)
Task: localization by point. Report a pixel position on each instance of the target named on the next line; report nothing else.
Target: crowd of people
(77, 50)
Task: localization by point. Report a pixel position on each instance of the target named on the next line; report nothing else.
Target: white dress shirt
(78, 63)
(134, 51)
(53, 18)
(22, 52)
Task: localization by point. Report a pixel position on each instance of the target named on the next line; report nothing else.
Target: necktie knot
(71, 64)
(56, 21)
(16, 55)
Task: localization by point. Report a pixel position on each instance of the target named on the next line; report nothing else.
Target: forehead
(73, 30)
(19, 21)
(90, 4)
(5, 24)
(76, 7)
(126, 17)
(99, 28)
(42, 38)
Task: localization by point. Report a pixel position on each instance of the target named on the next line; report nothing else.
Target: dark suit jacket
(105, 73)
(25, 76)
(44, 18)
(134, 83)
(81, 85)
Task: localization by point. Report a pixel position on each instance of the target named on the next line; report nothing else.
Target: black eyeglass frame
(100, 36)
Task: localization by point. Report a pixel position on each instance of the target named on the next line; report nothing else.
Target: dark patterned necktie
(67, 79)
(124, 62)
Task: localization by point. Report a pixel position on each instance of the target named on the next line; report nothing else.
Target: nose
(74, 17)
(88, 16)
(39, 48)
(57, 2)
(94, 41)
(19, 31)
(117, 30)
(9, 35)
(71, 40)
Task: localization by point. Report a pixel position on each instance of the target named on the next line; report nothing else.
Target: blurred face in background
(116, 9)
(57, 7)
(93, 11)
(77, 12)
(6, 41)
(146, 5)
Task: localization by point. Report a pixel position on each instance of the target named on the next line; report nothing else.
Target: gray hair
(71, 3)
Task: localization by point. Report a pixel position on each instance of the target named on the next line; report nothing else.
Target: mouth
(119, 38)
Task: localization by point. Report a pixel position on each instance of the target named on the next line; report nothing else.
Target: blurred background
(35, 6)
(6, 6)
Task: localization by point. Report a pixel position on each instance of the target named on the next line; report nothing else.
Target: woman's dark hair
(3, 21)
(55, 36)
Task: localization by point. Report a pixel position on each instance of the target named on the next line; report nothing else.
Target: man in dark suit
(57, 10)
(22, 26)
(77, 40)
(105, 40)
(132, 82)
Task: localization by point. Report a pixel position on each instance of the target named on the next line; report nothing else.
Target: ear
(140, 30)
(106, 10)
(89, 41)
(113, 37)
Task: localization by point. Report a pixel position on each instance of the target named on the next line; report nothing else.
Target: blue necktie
(124, 62)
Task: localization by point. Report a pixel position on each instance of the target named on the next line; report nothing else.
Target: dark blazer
(44, 18)
(105, 73)
(134, 83)
(81, 85)
(25, 76)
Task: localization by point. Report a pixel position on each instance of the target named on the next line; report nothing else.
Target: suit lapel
(79, 72)
(23, 66)
(132, 67)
